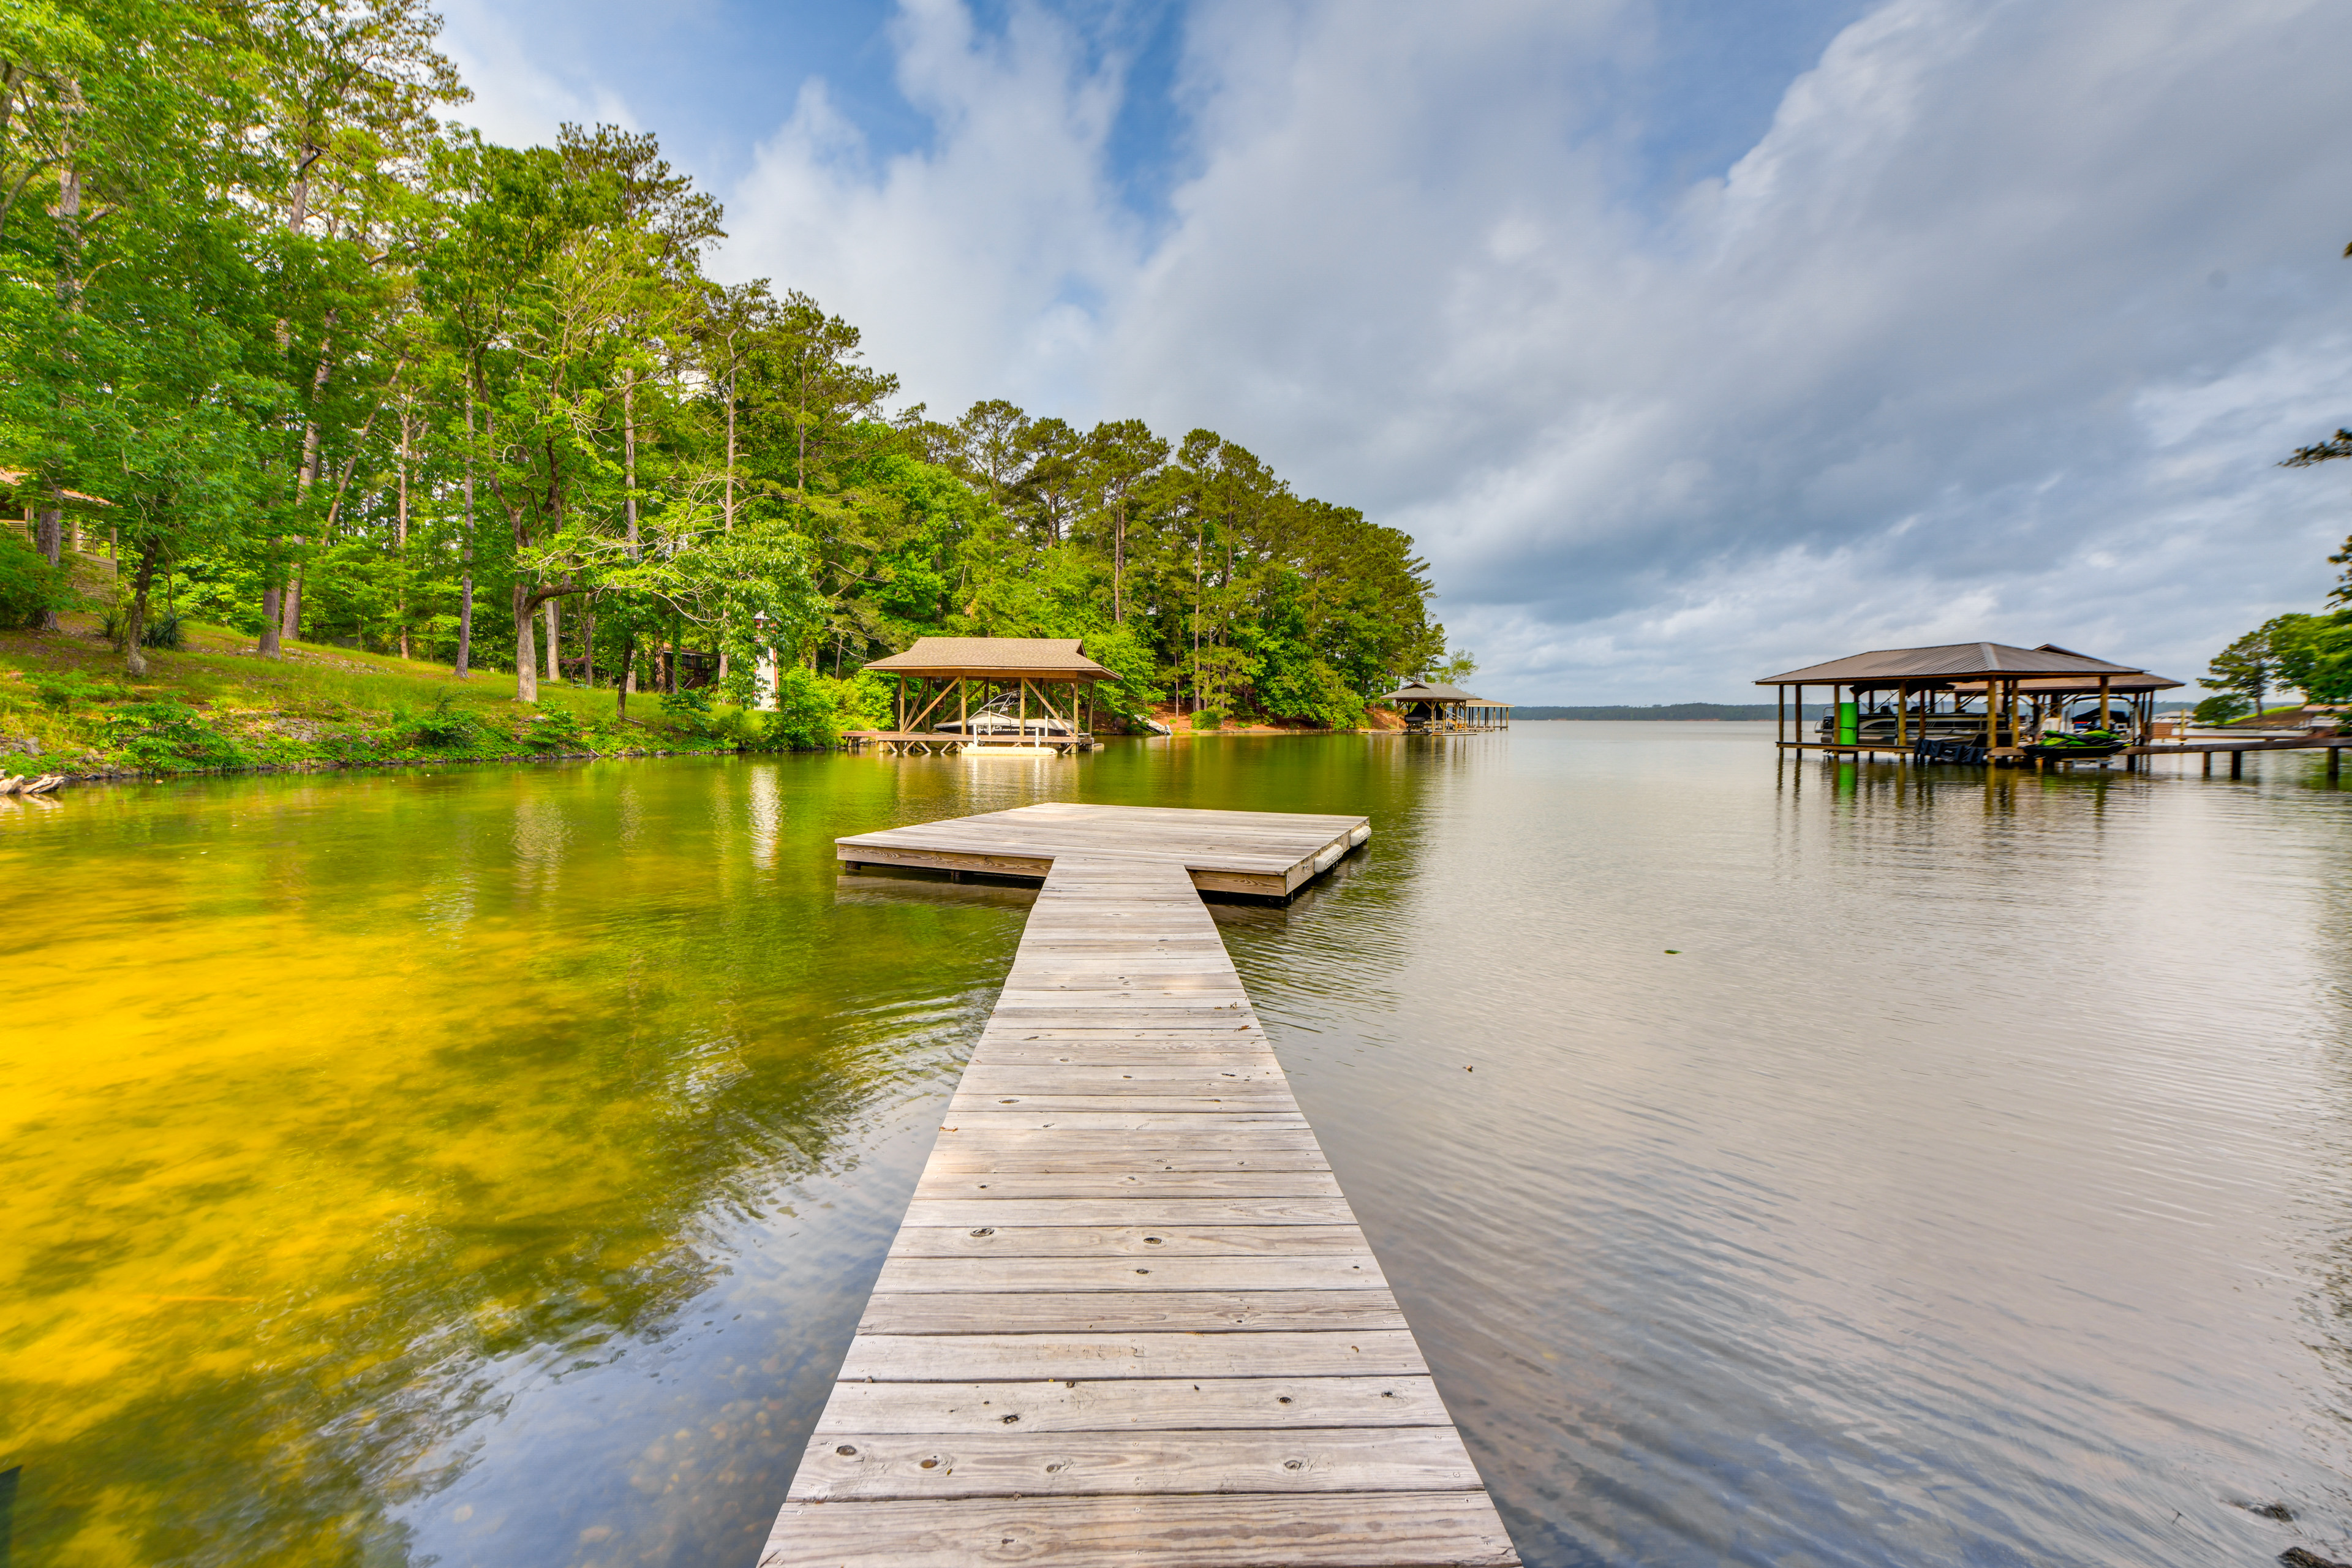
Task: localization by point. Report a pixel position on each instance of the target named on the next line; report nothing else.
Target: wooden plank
(1181, 1312)
(992, 1132)
(1237, 1103)
(862, 1466)
(1043, 1153)
(1181, 1078)
(1130, 1211)
(1151, 1121)
(1142, 1187)
(990, 1358)
(1125, 1240)
(1333, 1271)
(1184, 1403)
(1341, 1529)
(1194, 1051)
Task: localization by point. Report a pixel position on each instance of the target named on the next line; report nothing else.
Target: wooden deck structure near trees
(1130, 1317)
(973, 671)
(1433, 707)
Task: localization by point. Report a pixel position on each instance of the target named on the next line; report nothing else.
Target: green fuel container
(1848, 723)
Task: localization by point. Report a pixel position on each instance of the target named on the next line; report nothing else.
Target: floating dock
(1130, 1317)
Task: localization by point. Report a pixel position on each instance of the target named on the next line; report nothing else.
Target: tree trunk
(464, 670)
(526, 653)
(135, 657)
(400, 600)
(268, 646)
(588, 645)
(629, 458)
(628, 682)
(307, 475)
(67, 216)
(293, 628)
(554, 642)
(50, 534)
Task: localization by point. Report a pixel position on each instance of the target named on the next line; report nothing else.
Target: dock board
(1130, 1317)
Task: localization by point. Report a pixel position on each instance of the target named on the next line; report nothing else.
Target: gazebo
(1008, 674)
(1431, 707)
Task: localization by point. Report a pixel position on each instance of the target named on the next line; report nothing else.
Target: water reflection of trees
(652, 1045)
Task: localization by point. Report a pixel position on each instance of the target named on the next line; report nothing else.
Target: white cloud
(1997, 332)
(975, 265)
(521, 92)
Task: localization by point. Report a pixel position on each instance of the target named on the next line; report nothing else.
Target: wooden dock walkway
(1129, 1318)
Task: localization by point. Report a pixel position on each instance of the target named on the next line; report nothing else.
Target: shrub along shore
(210, 706)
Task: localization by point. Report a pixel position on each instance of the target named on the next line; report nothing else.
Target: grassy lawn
(67, 707)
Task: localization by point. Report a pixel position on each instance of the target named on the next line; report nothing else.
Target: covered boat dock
(1915, 701)
(1004, 692)
(1433, 708)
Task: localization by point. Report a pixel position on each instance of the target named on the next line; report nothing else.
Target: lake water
(489, 1167)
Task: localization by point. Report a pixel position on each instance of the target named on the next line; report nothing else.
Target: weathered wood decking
(1130, 1317)
(1268, 853)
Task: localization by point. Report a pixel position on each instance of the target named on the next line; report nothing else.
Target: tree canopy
(348, 371)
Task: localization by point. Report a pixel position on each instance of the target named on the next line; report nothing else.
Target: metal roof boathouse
(1982, 702)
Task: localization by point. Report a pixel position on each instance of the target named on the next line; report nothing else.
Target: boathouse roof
(1951, 661)
(1052, 658)
(2060, 685)
(1434, 691)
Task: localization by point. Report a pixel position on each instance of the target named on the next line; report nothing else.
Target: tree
(1118, 457)
(2314, 654)
(2247, 668)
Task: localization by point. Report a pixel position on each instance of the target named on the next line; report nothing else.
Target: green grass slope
(67, 707)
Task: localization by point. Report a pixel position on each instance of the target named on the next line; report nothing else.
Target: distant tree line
(347, 372)
(1668, 711)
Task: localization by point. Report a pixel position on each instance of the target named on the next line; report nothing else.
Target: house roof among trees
(13, 477)
(1052, 658)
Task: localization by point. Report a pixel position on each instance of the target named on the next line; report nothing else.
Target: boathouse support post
(2237, 762)
(1780, 719)
(2334, 762)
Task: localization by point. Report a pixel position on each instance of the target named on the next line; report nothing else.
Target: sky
(1692, 340)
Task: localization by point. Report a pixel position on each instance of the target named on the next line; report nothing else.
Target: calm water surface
(488, 1168)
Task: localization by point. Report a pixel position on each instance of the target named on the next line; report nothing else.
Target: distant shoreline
(1683, 711)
